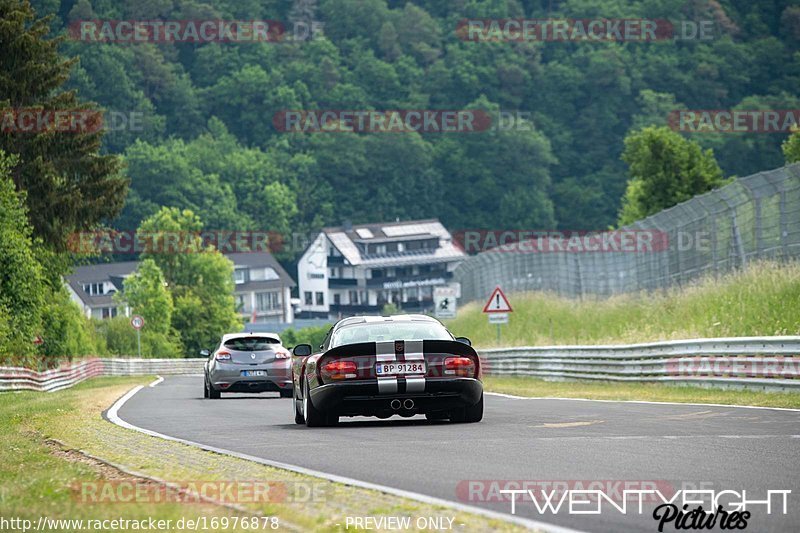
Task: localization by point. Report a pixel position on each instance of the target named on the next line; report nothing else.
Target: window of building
(400, 247)
(109, 312)
(239, 276)
(320, 298)
(380, 249)
(239, 300)
(337, 299)
(353, 297)
(263, 274)
(377, 273)
(309, 298)
(94, 289)
(267, 301)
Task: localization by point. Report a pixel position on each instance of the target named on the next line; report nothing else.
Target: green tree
(145, 291)
(65, 330)
(200, 280)
(664, 169)
(498, 178)
(70, 185)
(791, 147)
(21, 279)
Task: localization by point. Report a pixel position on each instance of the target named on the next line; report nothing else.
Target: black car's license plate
(393, 369)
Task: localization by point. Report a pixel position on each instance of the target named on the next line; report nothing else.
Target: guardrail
(18, 378)
(766, 363)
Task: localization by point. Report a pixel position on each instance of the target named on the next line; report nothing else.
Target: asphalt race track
(678, 446)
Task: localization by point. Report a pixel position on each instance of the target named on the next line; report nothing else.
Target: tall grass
(763, 299)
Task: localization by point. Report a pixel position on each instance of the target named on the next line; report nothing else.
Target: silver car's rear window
(251, 344)
(389, 331)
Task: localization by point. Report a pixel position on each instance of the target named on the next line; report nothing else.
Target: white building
(358, 269)
(263, 288)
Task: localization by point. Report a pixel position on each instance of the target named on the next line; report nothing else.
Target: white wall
(314, 261)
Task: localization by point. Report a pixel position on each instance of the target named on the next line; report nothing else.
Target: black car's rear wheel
(298, 415)
(205, 386)
(286, 393)
(314, 417)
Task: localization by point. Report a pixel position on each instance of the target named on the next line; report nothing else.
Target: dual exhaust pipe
(407, 404)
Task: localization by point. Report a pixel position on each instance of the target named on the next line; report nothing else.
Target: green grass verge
(37, 479)
(762, 300)
(651, 392)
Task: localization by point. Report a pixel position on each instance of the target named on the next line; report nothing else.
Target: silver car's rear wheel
(212, 394)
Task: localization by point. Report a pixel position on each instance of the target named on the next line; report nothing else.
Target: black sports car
(382, 366)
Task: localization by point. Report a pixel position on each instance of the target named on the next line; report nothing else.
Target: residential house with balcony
(357, 269)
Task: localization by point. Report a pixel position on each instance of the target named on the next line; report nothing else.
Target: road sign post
(444, 301)
(137, 322)
(498, 308)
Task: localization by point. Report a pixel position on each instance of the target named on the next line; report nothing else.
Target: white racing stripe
(415, 384)
(387, 385)
(113, 416)
(384, 353)
(414, 352)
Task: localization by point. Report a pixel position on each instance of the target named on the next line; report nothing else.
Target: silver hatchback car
(248, 362)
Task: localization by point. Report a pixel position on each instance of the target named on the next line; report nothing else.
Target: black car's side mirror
(302, 350)
(464, 340)
(205, 353)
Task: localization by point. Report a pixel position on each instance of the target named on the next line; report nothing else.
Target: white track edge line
(158, 380)
(514, 397)
(112, 414)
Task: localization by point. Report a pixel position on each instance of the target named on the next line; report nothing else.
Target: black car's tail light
(336, 370)
(459, 366)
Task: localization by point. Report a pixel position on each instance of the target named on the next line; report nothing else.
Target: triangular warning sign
(498, 303)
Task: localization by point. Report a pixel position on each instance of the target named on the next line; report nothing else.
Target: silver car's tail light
(223, 355)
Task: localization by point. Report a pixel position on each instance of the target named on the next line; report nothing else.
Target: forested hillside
(207, 141)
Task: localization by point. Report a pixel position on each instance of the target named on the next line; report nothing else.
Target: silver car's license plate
(248, 373)
(394, 369)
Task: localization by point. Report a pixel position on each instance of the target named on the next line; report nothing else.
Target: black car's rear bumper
(361, 398)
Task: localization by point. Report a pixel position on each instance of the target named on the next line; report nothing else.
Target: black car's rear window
(251, 344)
(388, 331)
